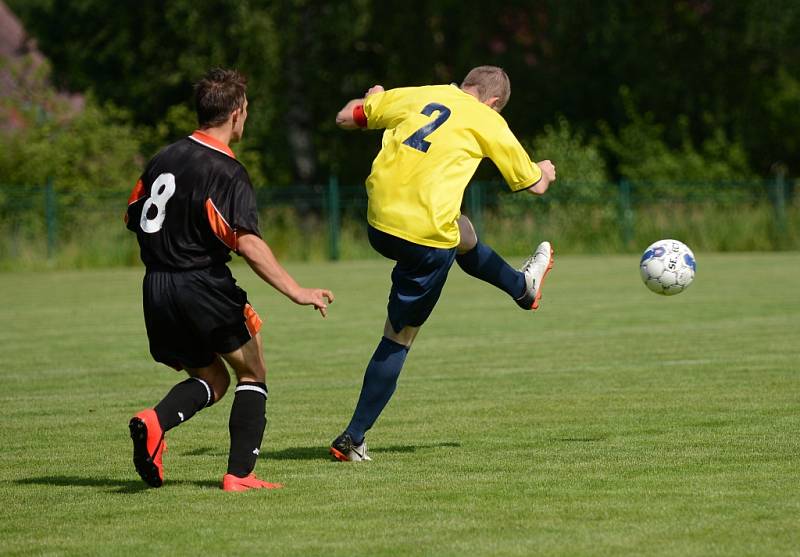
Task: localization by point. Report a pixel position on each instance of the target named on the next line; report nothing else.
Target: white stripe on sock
(208, 389)
(251, 388)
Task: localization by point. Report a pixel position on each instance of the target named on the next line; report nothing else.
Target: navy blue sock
(482, 262)
(380, 381)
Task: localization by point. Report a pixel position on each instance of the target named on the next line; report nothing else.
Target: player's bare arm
(548, 176)
(345, 119)
(263, 262)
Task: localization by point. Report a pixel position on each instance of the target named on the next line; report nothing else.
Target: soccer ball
(667, 267)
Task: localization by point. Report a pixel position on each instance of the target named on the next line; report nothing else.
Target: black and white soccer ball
(668, 267)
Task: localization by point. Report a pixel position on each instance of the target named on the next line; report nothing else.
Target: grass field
(611, 422)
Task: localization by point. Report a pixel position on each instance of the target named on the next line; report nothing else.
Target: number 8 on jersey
(163, 188)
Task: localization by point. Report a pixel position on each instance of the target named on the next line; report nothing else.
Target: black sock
(184, 401)
(246, 426)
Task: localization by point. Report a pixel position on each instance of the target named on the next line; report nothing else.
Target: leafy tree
(580, 165)
(82, 151)
(644, 156)
(703, 69)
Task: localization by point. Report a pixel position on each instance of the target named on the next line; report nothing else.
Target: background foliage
(694, 89)
(665, 118)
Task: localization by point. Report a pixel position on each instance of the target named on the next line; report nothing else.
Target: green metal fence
(41, 223)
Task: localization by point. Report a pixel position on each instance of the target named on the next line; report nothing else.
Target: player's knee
(405, 336)
(217, 377)
(220, 386)
(469, 239)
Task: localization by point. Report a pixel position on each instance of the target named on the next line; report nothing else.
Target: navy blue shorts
(417, 278)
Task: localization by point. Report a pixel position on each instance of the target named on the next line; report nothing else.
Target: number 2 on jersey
(417, 139)
(163, 188)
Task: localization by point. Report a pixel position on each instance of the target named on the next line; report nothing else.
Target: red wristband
(359, 117)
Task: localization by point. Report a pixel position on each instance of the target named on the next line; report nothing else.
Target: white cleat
(535, 270)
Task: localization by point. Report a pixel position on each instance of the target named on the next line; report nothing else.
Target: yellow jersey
(434, 140)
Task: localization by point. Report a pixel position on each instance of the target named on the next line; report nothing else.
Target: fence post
(334, 225)
(625, 213)
(475, 206)
(50, 217)
(779, 203)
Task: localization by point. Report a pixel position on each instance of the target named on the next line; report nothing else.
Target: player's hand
(374, 89)
(548, 175)
(548, 170)
(317, 297)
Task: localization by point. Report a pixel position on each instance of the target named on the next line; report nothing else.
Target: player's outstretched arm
(346, 118)
(261, 259)
(548, 176)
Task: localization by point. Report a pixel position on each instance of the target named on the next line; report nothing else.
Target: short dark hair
(219, 93)
(490, 81)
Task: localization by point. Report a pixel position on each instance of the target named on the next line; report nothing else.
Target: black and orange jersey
(190, 203)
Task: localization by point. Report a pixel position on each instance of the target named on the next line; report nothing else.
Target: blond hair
(489, 81)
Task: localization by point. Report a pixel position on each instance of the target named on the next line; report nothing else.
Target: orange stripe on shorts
(252, 320)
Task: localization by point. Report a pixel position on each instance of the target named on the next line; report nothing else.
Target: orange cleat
(148, 447)
(235, 483)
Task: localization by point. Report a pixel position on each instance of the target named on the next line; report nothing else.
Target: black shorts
(191, 316)
(417, 278)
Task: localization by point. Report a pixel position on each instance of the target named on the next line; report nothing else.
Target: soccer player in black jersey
(192, 206)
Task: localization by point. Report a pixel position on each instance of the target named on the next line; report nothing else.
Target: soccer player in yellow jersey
(434, 139)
